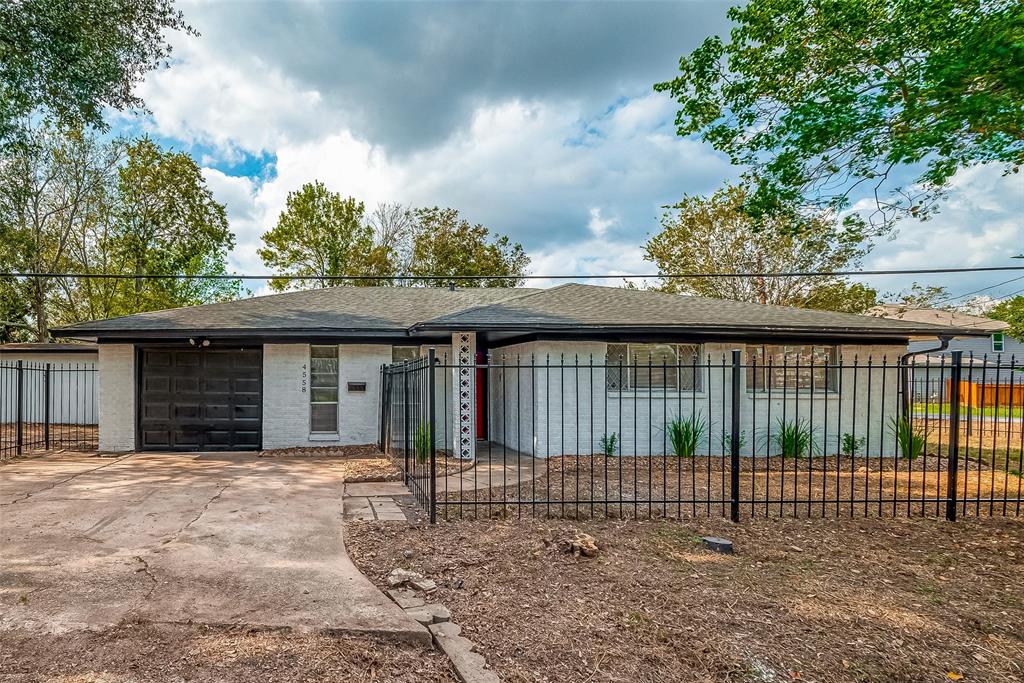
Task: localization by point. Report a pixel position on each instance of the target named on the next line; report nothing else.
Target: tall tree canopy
(714, 235)
(446, 244)
(72, 201)
(828, 100)
(71, 59)
(320, 233)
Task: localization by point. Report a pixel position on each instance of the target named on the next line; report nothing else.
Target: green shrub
(610, 444)
(852, 445)
(793, 438)
(422, 440)
(911, 443)
(686, 434)
(727, 441)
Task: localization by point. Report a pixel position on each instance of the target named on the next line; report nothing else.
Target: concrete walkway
(86, 543)
(495, 466)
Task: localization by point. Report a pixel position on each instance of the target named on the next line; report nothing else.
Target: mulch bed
(168, 653)
(625, 486)
(815, 600)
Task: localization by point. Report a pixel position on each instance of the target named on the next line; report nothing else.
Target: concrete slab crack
(149, 573)
(201, 512)
(55, 484)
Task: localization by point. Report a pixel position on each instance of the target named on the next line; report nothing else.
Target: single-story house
(988, 336)
(69, 370)
(304, 368)
(84, 354)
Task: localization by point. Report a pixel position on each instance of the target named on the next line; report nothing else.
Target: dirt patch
(194, 653)
(69, 437)
(821, 600)
(658, 486)
(357, 451)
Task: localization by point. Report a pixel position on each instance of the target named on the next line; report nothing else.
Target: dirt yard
(134, 652)
(826, 486)
(68, 437)
(812, 600)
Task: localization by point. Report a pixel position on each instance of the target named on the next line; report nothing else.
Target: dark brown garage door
(200, 399)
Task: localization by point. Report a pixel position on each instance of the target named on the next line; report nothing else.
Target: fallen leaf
(954, 676)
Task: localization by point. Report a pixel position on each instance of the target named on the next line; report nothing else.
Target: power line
(445, 278)
(978, 291)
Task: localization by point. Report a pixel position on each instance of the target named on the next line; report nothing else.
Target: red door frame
(481, 395)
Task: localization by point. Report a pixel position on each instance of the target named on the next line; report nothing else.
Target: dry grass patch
(822, 600)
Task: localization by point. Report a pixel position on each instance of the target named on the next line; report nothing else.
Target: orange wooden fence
(982, 395)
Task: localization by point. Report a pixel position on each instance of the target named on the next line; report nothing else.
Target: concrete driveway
(86, 543)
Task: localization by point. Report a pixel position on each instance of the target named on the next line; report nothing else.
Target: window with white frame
(673, 367)
(801, 367)
(323, 389)
(997, 342)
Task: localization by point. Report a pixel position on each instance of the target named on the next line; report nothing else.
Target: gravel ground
(138, 653)
(814, 600)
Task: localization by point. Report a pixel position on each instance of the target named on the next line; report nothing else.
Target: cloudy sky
(537, 119)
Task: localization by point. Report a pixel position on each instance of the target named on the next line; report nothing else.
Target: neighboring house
(989, 335)
(304, 368)
(69, 370)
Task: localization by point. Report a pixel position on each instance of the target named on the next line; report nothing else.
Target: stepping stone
(470, 666)
(430, 614)
(405, 598)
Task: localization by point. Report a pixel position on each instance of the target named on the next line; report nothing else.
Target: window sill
(657, 394)
(324, 436)
(802, 395)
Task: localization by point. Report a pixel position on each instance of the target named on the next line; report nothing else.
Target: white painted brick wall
(286, 405)
(554, 421)
(116, 363)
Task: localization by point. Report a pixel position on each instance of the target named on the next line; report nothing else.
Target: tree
(923, 296)
(1010, 311)
(71, 60)
(321, 234)
(73, 201)
(714, 235)
(828, 100)
(447, 245)
(52, 182)
(167, 222)
(15, 325)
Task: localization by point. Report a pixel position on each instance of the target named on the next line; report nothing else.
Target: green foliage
(713, 234)
(793, 438)
(422, 440)
(923, 296)
(851, 445)
(319, 233)
(910, 441)
(727, 441)
(685, 435)
(446, 244)
(72, 60)
(71, 200)
(824, 100)
(1011, 311)
(610, 444)
(14, 315)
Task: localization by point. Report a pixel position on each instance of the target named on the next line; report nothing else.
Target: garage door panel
(201, 399)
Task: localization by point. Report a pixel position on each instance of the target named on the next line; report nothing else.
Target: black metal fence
(813, 434)
(46, 406)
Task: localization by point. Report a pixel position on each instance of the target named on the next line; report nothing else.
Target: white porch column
(464, 394)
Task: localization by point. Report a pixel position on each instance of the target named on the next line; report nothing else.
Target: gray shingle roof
(575, 306)
(392, 310)
(366, 309)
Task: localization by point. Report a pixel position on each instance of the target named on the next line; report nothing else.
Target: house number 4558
(304, 375)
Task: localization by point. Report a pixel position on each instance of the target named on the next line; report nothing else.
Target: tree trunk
(39, 306)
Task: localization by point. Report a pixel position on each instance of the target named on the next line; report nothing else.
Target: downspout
(907, 370)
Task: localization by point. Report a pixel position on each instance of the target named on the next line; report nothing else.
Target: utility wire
(978, 291)
(331, 278)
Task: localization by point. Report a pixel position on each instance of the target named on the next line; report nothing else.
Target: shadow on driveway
(229, 539)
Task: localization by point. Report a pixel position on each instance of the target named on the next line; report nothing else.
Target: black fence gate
(46, 406)
(738, 435)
